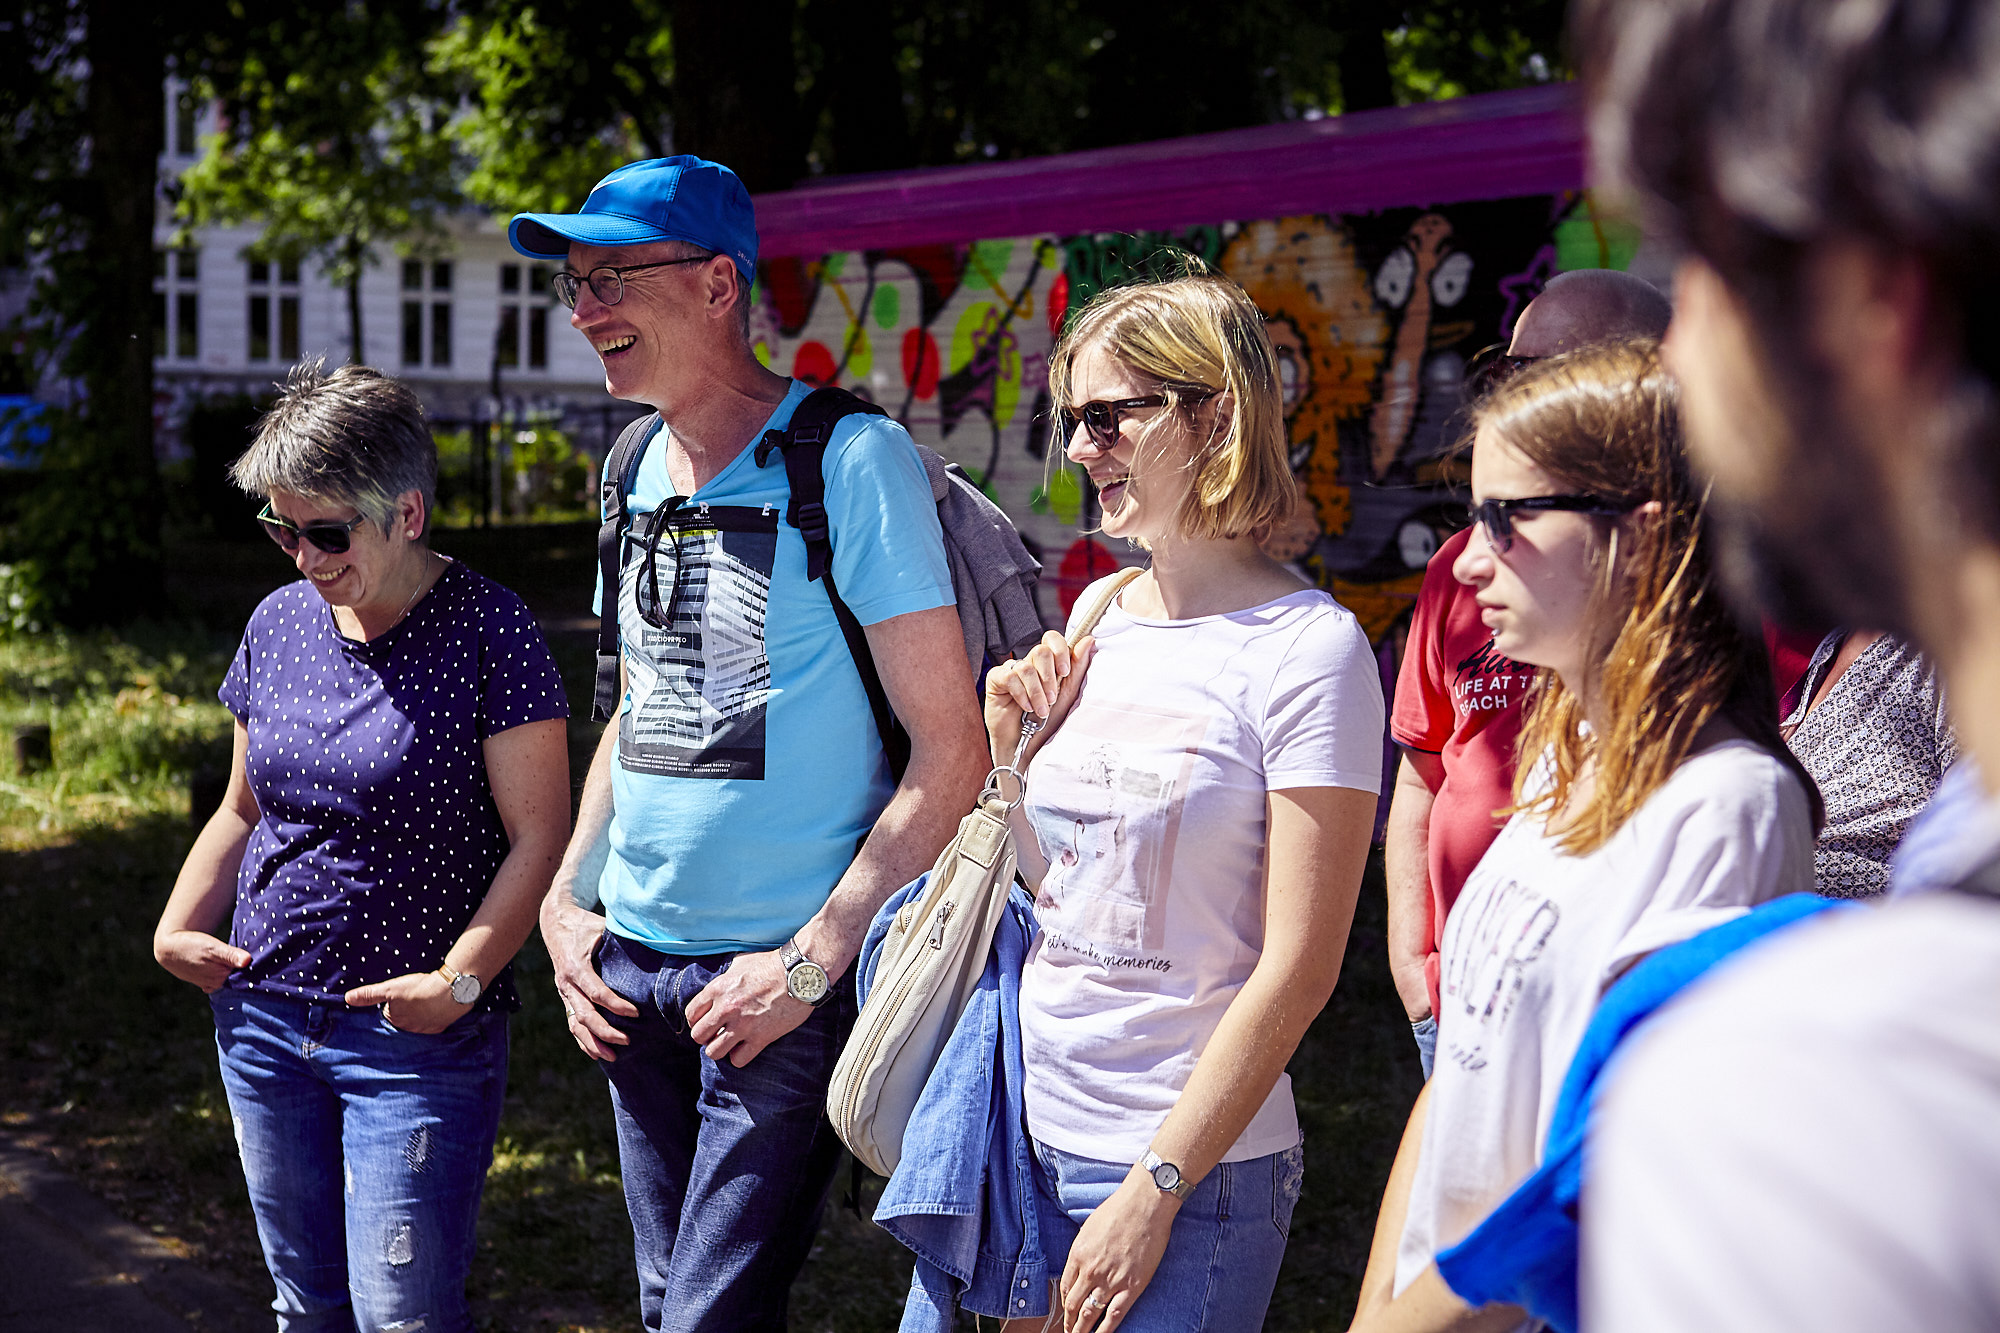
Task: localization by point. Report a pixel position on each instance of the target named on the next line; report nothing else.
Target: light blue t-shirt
(749, 767)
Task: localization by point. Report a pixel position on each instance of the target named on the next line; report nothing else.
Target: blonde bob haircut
(1196, 337)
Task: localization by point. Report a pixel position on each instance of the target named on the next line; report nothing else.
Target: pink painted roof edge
(1490, 146)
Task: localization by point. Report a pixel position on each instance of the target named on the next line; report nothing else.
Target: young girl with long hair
(1654, 796)
(1197, 816)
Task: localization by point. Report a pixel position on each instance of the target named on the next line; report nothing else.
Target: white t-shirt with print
(1148, 804)
(1537, 936)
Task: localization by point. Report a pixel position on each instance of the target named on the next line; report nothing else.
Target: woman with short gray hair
(397, 803)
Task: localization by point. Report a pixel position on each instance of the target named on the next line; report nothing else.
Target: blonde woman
(1655, 797)
(1198, 813)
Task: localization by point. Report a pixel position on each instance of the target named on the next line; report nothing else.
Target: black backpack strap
(803, 444)
(621, 468)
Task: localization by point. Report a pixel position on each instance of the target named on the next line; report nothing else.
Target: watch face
(465, 988)
(806, 981)
(1167, 1176)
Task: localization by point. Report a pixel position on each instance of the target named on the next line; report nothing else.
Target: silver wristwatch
(1166, 1176)
(804, 979)
(465, 987)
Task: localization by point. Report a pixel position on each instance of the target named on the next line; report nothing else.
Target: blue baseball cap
(681, 198)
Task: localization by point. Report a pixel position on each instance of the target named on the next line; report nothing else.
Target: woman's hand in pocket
(1044, 683)
(197, 957)
(416, 1002)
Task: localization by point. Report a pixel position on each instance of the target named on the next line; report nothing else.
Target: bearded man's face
(1801, 513)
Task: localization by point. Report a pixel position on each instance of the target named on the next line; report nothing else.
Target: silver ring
(1091, 1302)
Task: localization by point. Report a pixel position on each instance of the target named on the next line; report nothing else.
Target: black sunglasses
(607, 284)
(1489, 368)
(1100, 416)
(329, 537)
(1497, 516)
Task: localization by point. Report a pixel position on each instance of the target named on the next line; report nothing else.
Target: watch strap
(791, 957)
(452, 976)
(1152, 1163)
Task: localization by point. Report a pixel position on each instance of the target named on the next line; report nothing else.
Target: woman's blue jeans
(365, 1149)
(1222, 1256)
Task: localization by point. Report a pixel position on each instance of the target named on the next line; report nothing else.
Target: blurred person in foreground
(397, 803)
(1656, 798)
(1458, 701)
(1812, 1139)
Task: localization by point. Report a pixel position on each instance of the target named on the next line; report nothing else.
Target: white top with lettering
(1148, 804)
(1539, 934)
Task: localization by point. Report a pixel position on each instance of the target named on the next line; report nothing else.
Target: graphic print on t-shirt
(1487, 681)
(699, 678)
(1117, 816)
(1483, 980)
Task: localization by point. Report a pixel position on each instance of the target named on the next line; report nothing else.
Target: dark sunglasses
(1101, 416)
(1497, 516)
(329, 537)
(1489, 368)
(607, 284)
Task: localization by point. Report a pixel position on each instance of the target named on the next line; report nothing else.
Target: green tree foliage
(554, 95)
(334, 137)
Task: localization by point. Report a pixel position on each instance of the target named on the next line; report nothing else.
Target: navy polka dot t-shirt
(378, 837)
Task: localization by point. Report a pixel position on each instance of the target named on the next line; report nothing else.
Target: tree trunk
(1364, 57)
(733, 94)
(860, 87)
(354, 344)
(127, 117)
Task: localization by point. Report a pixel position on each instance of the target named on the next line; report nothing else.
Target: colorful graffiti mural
(1373, 315)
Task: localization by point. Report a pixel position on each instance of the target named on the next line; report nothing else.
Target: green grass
(108, 1063)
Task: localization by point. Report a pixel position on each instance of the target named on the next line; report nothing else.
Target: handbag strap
(1094, 610)
(1030, 724)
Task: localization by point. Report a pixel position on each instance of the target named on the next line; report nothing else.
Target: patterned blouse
(1876, 745)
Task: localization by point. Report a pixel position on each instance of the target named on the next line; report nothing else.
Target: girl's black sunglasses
(329, 537)
(1497, 516)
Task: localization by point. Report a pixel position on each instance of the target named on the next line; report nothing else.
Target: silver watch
(1166, 1176)
(804, 979)
(465, 987)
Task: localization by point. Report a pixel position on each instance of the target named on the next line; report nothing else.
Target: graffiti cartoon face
(1328, 332)
(1420, 277)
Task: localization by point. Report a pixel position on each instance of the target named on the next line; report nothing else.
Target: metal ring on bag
(993, 787)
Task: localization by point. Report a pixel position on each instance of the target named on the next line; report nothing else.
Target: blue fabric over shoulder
(964, 1198)
(1525, 1252)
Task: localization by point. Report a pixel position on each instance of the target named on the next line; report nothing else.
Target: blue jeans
(726, 1169)
(1222, 1256)
(1425, 1030)
(365, 1150)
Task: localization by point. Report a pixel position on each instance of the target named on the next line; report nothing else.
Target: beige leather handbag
(932, 957)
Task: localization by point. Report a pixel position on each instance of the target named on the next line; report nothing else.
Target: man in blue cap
(722, 813)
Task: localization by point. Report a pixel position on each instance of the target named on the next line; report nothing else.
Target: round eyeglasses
(607, 284)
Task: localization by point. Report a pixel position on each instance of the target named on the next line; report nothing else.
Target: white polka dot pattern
(379, 837)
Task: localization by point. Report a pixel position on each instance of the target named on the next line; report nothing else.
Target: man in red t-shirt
(1458, 702)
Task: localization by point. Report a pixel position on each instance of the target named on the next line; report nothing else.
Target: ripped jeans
(365, 1149)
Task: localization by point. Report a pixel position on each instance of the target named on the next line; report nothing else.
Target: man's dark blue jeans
(726, 1169)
